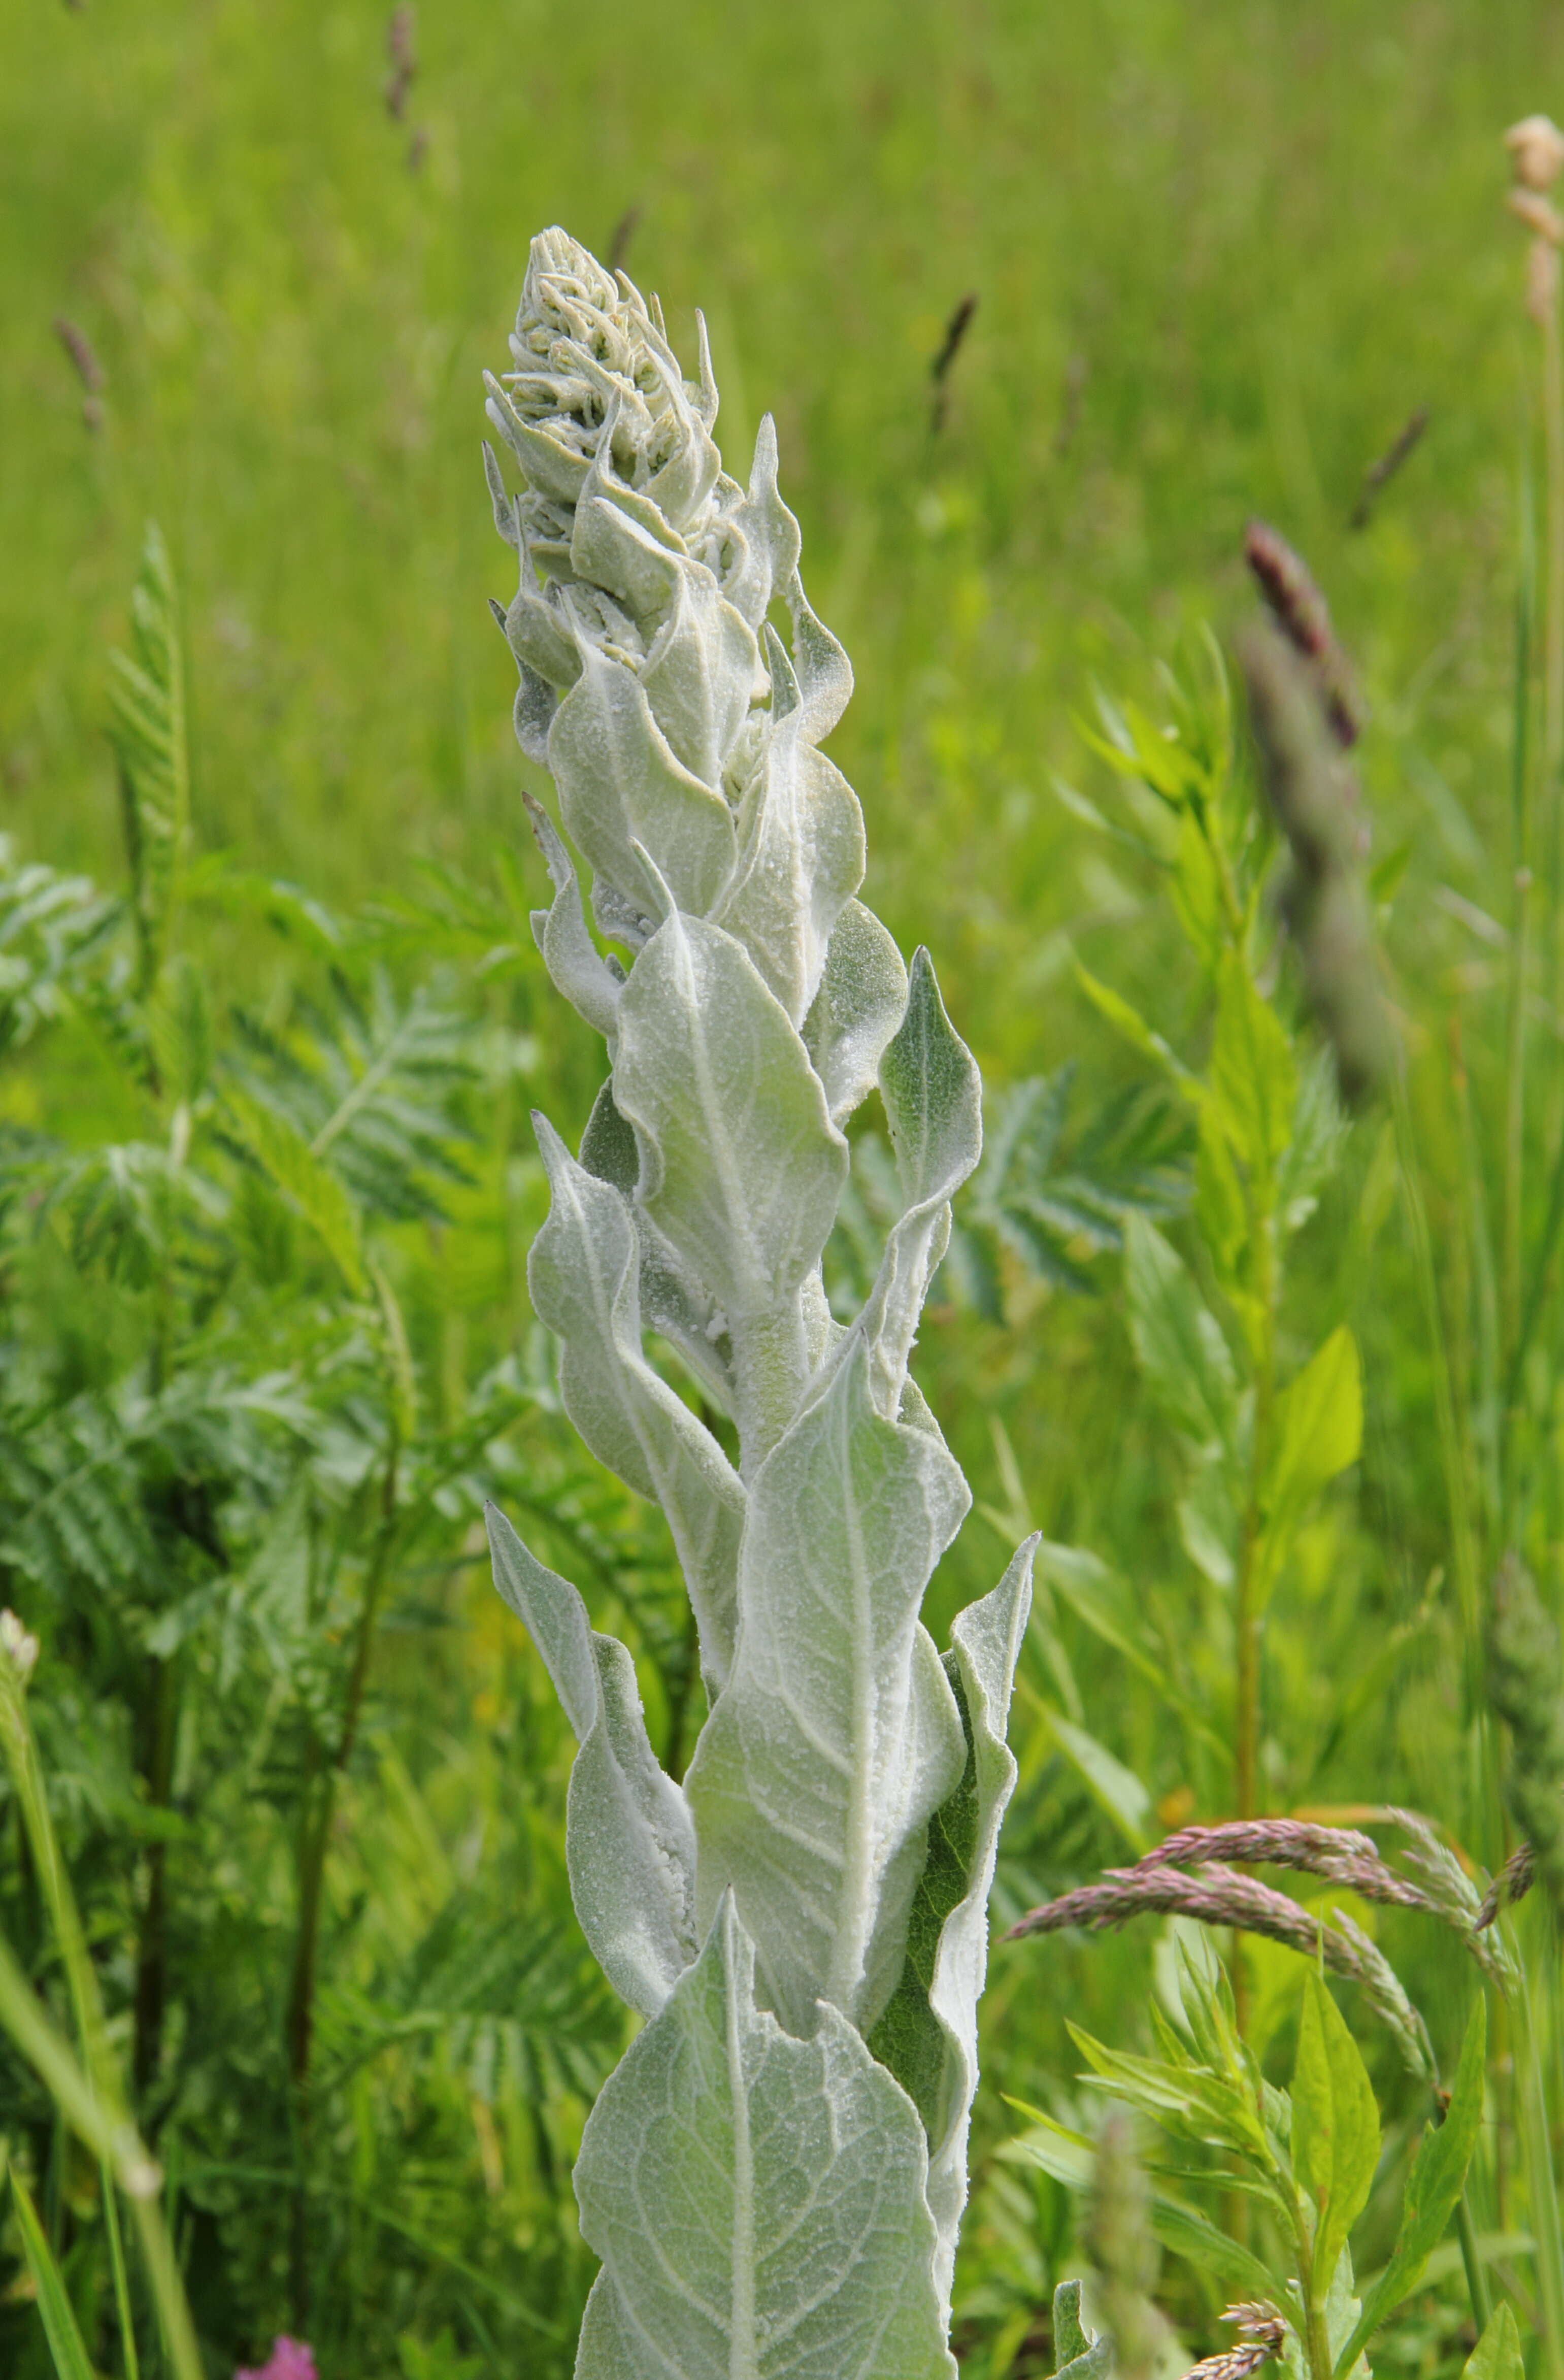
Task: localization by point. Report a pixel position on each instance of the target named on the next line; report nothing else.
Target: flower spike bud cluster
(774, 2176)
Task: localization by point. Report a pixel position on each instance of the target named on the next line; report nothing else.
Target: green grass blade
(54, 2309)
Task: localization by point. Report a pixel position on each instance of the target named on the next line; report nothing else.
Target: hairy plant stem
(314, 1842)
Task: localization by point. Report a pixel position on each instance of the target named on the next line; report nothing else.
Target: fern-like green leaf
(147, 730)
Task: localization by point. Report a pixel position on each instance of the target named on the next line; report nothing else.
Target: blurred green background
(1221, 253)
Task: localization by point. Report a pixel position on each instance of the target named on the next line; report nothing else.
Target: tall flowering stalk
(774, 2175)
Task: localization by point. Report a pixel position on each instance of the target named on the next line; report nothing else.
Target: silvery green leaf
(741, 1164)
(758, 2201)
(681, 487)
(673, 1303)
(837, 1734)
(537, 636)
(768, 531)
(584, 1276)
(928, 2035)
(933, 1103)
(554, 469)
(622, 543)
(823, 671)
(629, 1844)
(572, 959)
(500, 498)
(533, 712)
(860, 1002)
(801, 859)
(620, 784)
(700, 674)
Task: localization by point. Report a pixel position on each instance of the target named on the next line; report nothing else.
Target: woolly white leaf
(928, 2034)
(584, 1275)
(860, 1002)
(572, 959)
(741, 1165)
(620, 784)
(801, 859)
(934, 1102)
(837, 1734)
(768, 533)
(757, 2202)
(822, 670)
(672, 1302)
(699, 676)
(629, 1844)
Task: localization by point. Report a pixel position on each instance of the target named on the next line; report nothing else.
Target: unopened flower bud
(1536, 152)
(16, 1645)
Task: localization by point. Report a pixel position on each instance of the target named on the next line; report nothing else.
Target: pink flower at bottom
(290, 2360)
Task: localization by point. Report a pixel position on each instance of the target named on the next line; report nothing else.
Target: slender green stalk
(1516, 1317)
(86, 2090)
(315, 1832)
(1247, 1617)
(1536, 2150)
(1472, 2261)
(121, 2277)
(1553, 643)
(1452, 1447)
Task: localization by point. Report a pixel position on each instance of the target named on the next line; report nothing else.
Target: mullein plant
(774, 2176)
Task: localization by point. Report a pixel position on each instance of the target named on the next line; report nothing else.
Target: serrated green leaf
(1254, 1078)
(147, 728)
(1318, 1435)
(1435, 2183)
(1335, 2125)
(1069, 2157)
(1496, 2355)
(1219, 1208)
(308, 1184)
(1127, 1021)
(1187, 1362)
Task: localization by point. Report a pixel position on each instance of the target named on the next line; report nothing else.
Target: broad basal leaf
(757, 2202)
(837, 1735)
(629, 1843)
